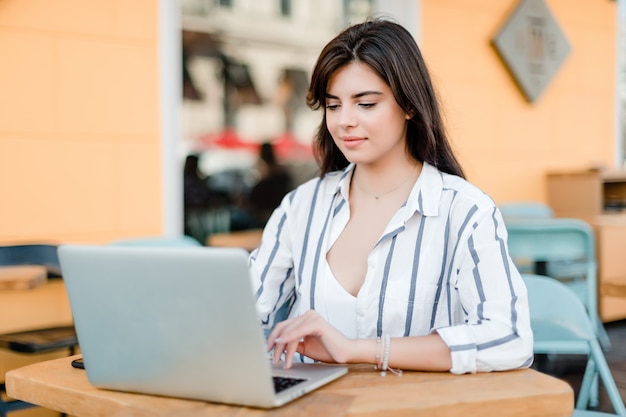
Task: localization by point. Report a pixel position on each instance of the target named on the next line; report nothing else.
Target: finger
(297, 329)
(289, 352)
(275, 333)
(271, 340)
(279, 348)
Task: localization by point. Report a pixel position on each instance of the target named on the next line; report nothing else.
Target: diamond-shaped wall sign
(532, 46)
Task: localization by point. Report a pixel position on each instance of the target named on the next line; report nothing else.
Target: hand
(309, 335)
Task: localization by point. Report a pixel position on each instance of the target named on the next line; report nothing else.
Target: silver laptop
(177, 322)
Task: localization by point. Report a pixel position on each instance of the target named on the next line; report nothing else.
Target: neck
(380, 183)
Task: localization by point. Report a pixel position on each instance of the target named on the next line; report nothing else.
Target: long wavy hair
(390, 50)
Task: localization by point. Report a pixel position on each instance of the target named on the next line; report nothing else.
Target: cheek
(330, 121)
(331, 124)
(397, 125)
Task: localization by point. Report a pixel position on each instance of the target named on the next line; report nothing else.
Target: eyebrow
(357, 95)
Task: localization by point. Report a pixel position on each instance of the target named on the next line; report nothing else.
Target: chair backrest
(526, 209)
(568, 241)
(551, 239)
(555, 310)
(158, 241)
(565, 250)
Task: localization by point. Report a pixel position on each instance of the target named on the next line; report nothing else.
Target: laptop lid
(176, 322)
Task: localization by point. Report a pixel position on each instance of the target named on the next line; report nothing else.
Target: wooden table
(22, 277)
(247, 239)
(613, 289)
(363, 392)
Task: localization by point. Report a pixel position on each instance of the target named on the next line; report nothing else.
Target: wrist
(366, 351)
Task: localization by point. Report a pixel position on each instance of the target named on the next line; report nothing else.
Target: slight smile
(352, 141)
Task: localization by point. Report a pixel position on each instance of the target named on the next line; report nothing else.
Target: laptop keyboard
(282, 383)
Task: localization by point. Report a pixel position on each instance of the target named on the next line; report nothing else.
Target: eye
(332, 106)
(367, 105)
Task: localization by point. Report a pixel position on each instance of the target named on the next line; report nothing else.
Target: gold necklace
(377, 196)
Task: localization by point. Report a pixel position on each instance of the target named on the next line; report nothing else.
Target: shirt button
(362, 313)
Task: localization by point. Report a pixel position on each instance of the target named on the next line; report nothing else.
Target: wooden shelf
(599, 198)
(585, 194)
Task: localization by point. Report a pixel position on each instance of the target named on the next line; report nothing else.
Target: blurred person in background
(274, 184)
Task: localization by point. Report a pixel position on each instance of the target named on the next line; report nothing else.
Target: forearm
(418, 353)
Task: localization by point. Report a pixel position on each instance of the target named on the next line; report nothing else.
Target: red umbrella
(227, 139)
(287, 147)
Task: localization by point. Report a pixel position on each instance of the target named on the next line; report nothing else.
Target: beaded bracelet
(386, 349)
(384, 364)
(377, 355)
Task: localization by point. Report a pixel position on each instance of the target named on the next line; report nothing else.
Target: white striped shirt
(442, 264)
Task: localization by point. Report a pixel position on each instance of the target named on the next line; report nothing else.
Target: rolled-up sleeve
(496, 332)
(271, 267)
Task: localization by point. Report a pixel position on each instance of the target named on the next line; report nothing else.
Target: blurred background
(125, 119)
(105, 103)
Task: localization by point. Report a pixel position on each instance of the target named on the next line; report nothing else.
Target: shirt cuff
(462, 348)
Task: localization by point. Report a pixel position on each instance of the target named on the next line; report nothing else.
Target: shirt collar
(424, 196)
(426, 192)
(343, 185)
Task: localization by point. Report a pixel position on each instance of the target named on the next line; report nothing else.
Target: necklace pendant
(377, 196)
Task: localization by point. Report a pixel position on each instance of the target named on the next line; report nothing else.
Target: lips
(352, 141)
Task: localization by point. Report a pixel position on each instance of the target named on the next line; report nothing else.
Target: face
(363, 117)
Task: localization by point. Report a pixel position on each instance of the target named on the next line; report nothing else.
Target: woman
(390, 257)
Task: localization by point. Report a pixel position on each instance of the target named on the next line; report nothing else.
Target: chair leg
(603, 336)
(587, 385)
(607, 379)
(594, 391)
(589, 394)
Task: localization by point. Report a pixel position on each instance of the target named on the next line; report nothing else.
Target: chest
(349, 252)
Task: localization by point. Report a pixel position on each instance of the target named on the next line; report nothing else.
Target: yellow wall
(79, 123)
(505, 143)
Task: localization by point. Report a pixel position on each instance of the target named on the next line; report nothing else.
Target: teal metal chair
(561, 325)
(563, 249)
(525, 209)
(182, 240)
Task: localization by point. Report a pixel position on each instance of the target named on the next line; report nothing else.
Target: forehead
(354, 78)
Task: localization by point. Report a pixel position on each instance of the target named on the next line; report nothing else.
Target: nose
(347, 117)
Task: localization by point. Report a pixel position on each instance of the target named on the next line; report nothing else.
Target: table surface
(362, 392)
(22, 277)
(613, 289)
(247, 239)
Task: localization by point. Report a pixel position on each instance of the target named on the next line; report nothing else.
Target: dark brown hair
(392, 53)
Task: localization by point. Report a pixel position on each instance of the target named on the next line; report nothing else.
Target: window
(285, 8)
(357, 10)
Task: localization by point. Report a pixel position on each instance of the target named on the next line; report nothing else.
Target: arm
(310, 335)
(495, 333)
(271, 268)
